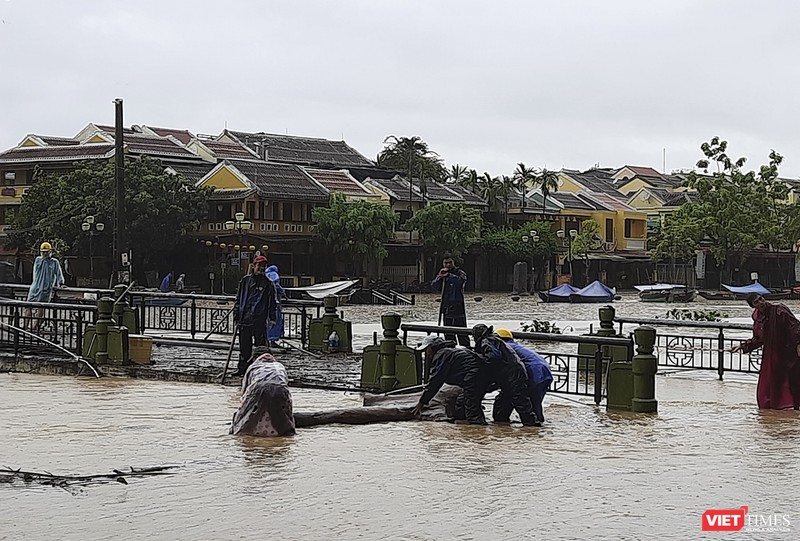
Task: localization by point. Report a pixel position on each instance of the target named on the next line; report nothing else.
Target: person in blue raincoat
(47, 275)
(275, 332)
(166, 283)
(539, 375)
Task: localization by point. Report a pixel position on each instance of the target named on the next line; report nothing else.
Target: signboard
(700, 265)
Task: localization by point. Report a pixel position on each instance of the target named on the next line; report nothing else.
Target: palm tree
(524, 177)
(489, 189)
(548, 182)
(507, 186)
(411, 154)
(457, 173)
(471, 181)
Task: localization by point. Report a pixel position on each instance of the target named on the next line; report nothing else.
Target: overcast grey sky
(485, 84)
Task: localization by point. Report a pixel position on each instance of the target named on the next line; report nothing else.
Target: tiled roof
(572, 201)
(57, 141)
(469, 197)
(337, 181)
(68, 153)
(224, 150)
(156, 146)
(184, 136)
(111, 130)
(228, 195)
(398, 188)
(643, 171)
(279, 181)
(676, 199)
(363, 173)
(301, 150)
(597, 180)
(608, 201)
(437, 192)
(192, 171)
(660, 181)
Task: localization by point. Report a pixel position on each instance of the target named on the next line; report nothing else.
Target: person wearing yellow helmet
(539, 378)
(47, 275)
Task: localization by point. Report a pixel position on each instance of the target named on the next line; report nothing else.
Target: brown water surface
(587, 474)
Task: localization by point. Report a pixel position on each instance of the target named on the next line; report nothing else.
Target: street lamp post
(240, 226)
(572, 234)
(92, 227)
(533, 238)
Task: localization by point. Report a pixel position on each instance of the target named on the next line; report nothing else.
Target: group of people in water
(496, 362)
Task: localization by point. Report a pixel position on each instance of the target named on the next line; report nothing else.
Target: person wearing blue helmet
(275, 332)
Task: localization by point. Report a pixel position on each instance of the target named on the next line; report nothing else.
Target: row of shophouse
(273, 182)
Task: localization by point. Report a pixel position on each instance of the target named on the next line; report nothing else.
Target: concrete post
(644, 368)
(607, 314)
(329, 303)
(104, 308)
(519, 282)
(388, 356)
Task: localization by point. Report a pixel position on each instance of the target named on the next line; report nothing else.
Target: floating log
(382, 409)
(67, 482)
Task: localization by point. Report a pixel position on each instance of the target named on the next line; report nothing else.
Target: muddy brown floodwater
(587, 474)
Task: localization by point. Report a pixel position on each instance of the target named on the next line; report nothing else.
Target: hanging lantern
(223, 245)
(252, 248)
(265, 248)
(216, 244)
(236, 246)
(209, 243)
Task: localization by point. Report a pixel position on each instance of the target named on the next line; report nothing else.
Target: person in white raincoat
(266, 406)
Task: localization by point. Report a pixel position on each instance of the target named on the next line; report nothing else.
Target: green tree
(447, 227)
(161, 208)
(524, 178)
(548, 182)
(735, 210)
(412, 156)
(357, 230)
(588, 239)
(511, 243)
(458, 174)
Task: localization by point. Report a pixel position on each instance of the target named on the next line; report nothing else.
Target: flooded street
(587, 474)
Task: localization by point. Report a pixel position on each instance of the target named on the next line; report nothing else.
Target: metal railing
(701, 352)
(191, 313)
(582, 375)
(60, 323)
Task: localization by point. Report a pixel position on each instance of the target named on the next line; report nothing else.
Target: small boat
(320, 291)
(558, 294)
(740, 293)
(594, 292)
(666, 293)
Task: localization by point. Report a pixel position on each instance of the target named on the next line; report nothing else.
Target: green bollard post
(104, 309)
(388, 355)
(607, 314)
(329, 304)
(644, 368)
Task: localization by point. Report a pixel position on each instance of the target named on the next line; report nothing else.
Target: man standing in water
(451, 282)
(777, 331)
(255, 306)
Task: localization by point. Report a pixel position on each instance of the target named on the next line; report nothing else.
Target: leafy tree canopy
(412, 156)
(447, 227)
(511, 242)
(735, 210)
(161, 208)
(358, 229)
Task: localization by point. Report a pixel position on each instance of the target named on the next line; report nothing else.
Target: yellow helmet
(504, 333)
(45, 247)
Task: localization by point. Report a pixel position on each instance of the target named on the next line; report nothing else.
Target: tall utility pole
(119, 191)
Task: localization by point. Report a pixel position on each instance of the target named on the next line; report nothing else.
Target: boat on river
(342, 289)
(666, 293)
(597, 291)
(558, 294)
(739, 293)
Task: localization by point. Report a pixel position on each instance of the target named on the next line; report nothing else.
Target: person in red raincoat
(777, 332)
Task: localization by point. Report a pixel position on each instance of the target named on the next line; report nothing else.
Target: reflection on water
(588, 474)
